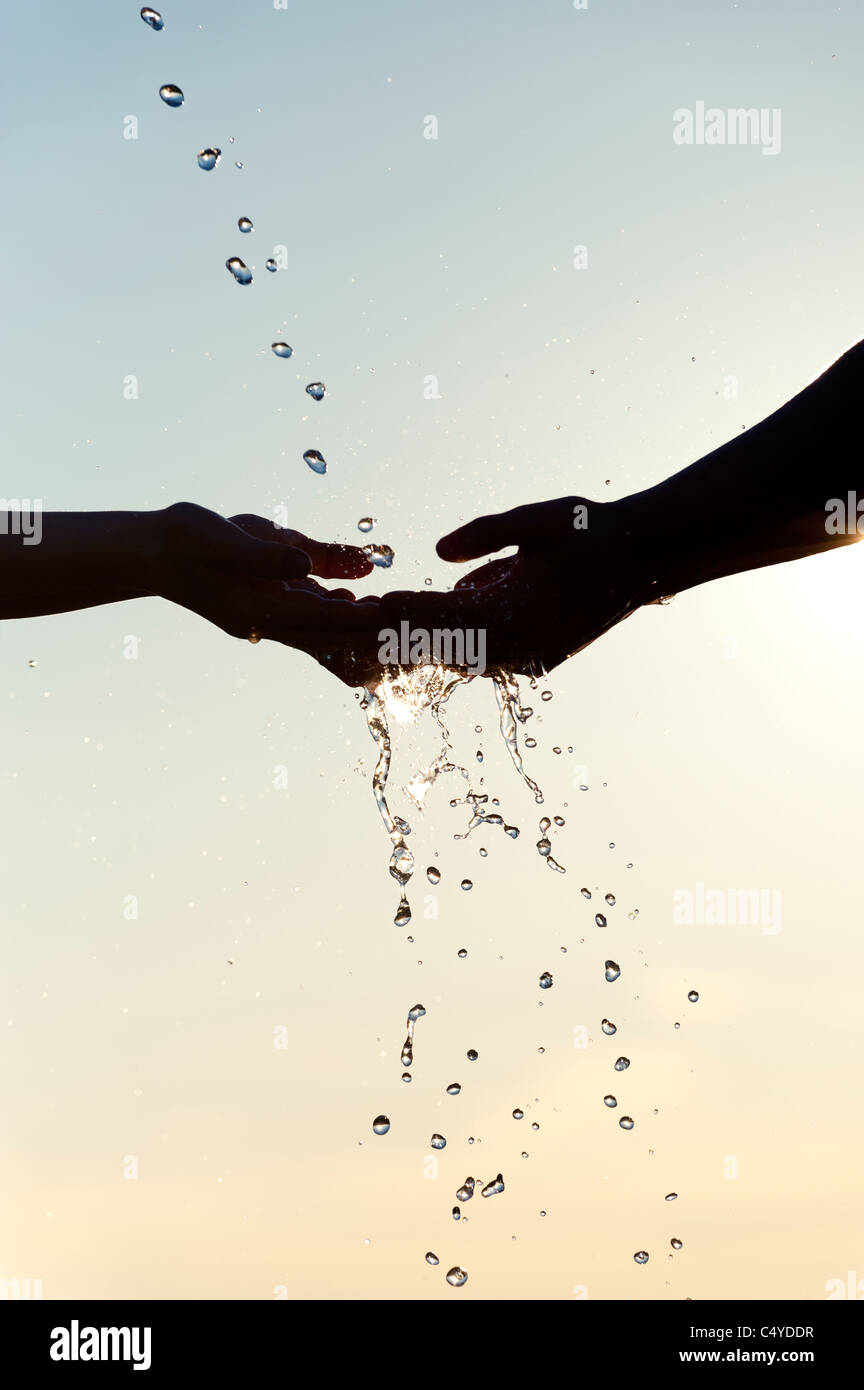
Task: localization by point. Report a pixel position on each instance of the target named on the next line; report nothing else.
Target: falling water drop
(610, 898)
(462, 953)
(438, 1141)
(676, 1243)
(612, 971)
(241, 272)
(271, 266)
(381, 1125)
(153, 18)
(315, 460)
(545, 980)
(245, 224)
(456, 1214)
(466, 885)
(671, 1197)
(406, 1077)
(625, 1122)
(431, 1259)
(641, 1257)
(281, 349)
(454, 1088)
(433, 874)
(610, 1101)
(171, 95)
(316, 389)
(457, 1277)
(208, 159)
(622, 1064)
(365, 524)
(493, 1188)
(600, 919)
(693, 996)
(380, 555)
(472, 1055)
(465, 1192)
(518, 1114)
(586, 892)
(608, 1028)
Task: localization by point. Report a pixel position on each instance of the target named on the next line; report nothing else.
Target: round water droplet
(242, 274)
(608, 1028)
(245, 224)
(622, 1064)
(381, 1125)
(612, 971)
(457, 1277)
(545, 980)
(671, 1197)
(315, 460)
(454, 1088)
(438, 1141)
(456, 1214)
(625, 1122)
(153, 18)
(547, 695)
(535, 1126)
(600, 919)
(610, 898)
(641, 1257)
(693, 996)
(380, 555)
(406, 1077)
(316, 389)
(208, 159)
(472, 1055)
(676, 1243)
(431, 1258)
(518, 1114)
(676, 1025)
(282, 349)
(365, 524)
(171, 95)
(271, 266)
(433, 874)
(466, 885)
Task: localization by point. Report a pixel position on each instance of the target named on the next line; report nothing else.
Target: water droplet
(431, 1259)
(518, 1114)
(380, 555)
(381, 1125)
(457, 1277)
(547, 695)
(600, 919)
(535, 1126)
(676, 1243)
(586, 893)
(454, 1088)
(472, 1055)
(493, 1188)
(208, 159)
(365, 524)
(316, 389)
(456, 1214)
(238, 164)
(608, 1028)
(171, 95)
(242, 274)
(625, 1122)
(271, 266)
(462, 953)
(641, 1257)
(610, 1101)
(610, 898)
(153, 18)
(245, 224)
(622, 1064)
(465, 1192)
(315, 460)
(282, 349)
(406, 1077)
(433, 874)
(671, 1197)
(693, 996)
(612, 971)
(545, 980)
(676, 1025)
(438, 1141)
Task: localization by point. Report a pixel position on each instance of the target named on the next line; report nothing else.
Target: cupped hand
(577, 572)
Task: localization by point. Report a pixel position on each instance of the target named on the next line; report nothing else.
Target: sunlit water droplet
(676, 1243)
(406, 1077)
(472, 1055)
(271, 266)
(208, 159)
(465, 1192)
(315, 460)
(608, 1028)
(671, 1197)
(380, 555)
(317, 390)
(610, 1101)
(281, 349)
(586, 892)
(153, 18)
(381, 1125)
(241, 272)
(171, 95)
(365, 524)
(622, 1064)
(466, 885)
(493, 1188)
(518, 1114)
(545, 980)
(431, 1259)
(438, 1141)
(245, 224)
(612, 971)
(600, 919)
(693, 996)
(625, 1122)
(454, 1088)
(610, 898)
(456, 1214)
(457, 1277)
(641, 1257)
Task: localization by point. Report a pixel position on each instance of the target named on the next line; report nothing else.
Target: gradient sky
(719, 733)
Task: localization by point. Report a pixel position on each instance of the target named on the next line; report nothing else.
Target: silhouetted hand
(575, 575)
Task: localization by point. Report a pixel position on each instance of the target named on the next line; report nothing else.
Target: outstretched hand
(576, 574)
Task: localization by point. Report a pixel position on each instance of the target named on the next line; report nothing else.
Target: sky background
(718, 733)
